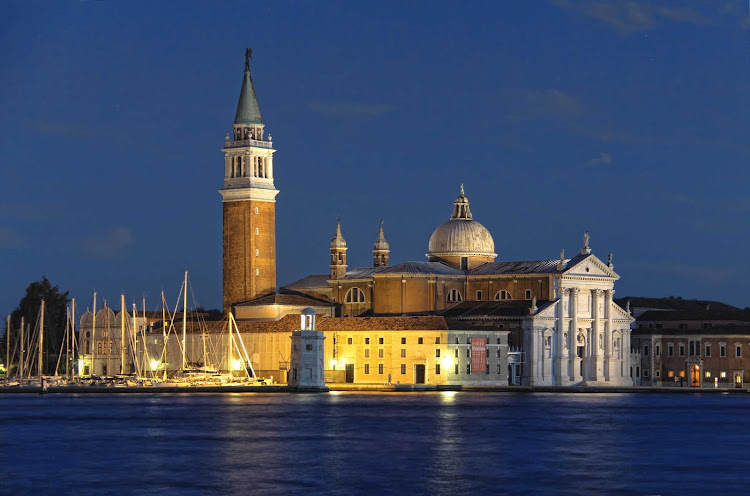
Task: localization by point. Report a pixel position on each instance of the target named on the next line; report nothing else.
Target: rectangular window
(723, 375)
(437, 369)
(738, 351)
(708, 351)
(657, 350)
(380, 340)
(708, 375)
(403, 352)
(707, 325)
(420, 341)
(367, 340)
(645, 350)
(468, 352)
(637, 371)
(403, 340)
(682, 373)
(437, 353)
(367, 353)
(657, 373)
(380, 368)
(457, 341)
(670, 350)
(670, 373)
(437, 340)
(499, 368)
(658, 326)
(348, 340)
(682, 349)
(456, 352)
(479, 295)
(367, 368)
(722, 350)
(645, 373)
(403, 368)
(683, 326)
(468, 368)
(308, 347)
(527, 294)
(380, 353)
(456, 371)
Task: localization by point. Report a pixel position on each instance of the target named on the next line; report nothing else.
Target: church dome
(461, 235)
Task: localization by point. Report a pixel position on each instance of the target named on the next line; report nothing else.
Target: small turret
(338, 254)
(380, 250)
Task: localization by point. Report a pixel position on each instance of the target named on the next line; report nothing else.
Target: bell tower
(249, 202)
(380, 250)
(338, 254)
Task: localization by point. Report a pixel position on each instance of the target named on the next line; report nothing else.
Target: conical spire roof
(381, 244)
(338, 241)
(248, 111)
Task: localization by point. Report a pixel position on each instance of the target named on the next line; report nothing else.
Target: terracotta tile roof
(426, 323)
(506, 308)
(288, 299)
(522, 267)
(646, 303)
(309, 282)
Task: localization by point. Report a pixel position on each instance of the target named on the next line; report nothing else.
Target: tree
(55, 304)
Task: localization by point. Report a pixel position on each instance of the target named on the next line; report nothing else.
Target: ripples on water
(347, 443)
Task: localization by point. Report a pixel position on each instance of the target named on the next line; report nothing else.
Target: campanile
(249, 202)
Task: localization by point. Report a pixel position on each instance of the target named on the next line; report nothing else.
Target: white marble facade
(581, 337)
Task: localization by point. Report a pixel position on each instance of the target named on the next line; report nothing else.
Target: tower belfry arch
(248, 202)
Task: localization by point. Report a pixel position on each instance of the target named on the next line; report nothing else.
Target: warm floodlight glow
(154, 364)
(447, 361)
(236, 364)
(333, 364)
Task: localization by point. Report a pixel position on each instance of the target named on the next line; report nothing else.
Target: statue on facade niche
(586, 240)
(627, 306)
(609, 260)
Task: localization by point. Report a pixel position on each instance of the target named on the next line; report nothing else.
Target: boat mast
(122, 334)
(164, 333)
(7, 348)
(72, 362)
(41, 341)
(21, 358)
(91, 342)
(184, 323)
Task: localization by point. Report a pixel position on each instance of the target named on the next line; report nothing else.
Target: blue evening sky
(628, 119)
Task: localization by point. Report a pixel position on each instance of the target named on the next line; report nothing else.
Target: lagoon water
(378, 443)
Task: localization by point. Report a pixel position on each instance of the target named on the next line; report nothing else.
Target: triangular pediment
(589, 266)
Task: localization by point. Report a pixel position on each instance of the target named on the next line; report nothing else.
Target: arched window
(454, 295)
(257, 252)
(503, 295)
(355, 295)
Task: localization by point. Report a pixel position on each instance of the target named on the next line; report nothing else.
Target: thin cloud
(110, 244)
(351, 109)
(66, 130)
(548, 104)
(632, 16)
(602, 159)
(10, 239)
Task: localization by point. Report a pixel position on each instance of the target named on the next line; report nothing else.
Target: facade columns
(608, 335)
(596, 370)
(269, 167)
(574, 361)
(561, 361)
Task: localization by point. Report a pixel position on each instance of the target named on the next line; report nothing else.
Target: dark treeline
(54, 323)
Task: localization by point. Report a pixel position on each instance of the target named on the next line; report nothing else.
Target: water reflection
(437, 443)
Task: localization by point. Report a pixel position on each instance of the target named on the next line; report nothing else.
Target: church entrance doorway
(349, 372)
(419, 374)
(738, 380)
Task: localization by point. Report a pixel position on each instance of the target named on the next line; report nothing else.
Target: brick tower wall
(240, 242)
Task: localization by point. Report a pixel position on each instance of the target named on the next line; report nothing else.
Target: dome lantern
(461, 242)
